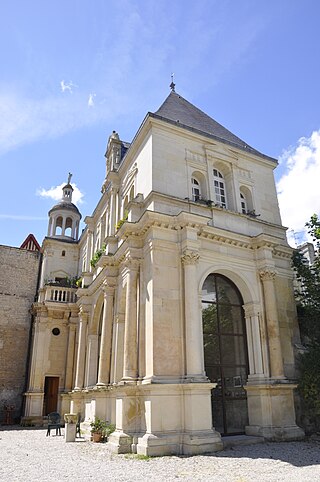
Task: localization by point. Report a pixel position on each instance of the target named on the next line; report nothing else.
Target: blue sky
(72, 71)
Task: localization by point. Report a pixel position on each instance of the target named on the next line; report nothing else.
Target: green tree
(308, 307)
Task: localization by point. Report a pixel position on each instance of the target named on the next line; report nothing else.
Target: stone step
(233, 440)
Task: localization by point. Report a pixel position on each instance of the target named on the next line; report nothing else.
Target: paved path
(28, 455)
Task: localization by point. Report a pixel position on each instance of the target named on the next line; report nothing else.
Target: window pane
(211, 350)
(209, 318)
(209, 289)
(233, 350)
(230, 319)
(234, 379)
(214, 375)
(227, 292)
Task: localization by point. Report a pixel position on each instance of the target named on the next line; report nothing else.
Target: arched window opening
(63, 253)
(58, 227)
(68, 227)
(195, 189)
(244, 207)
(246, 200)
(225, 353)
(219, 189)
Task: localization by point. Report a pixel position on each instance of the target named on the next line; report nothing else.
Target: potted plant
(100, 429)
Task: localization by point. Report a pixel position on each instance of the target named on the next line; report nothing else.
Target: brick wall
(18, 283)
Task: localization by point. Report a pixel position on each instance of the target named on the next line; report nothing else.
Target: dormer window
(219, 188)
(195, 189)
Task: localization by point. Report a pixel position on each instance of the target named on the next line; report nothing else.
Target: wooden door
(51, 389)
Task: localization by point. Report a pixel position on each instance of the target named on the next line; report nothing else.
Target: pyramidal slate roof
(178, 110)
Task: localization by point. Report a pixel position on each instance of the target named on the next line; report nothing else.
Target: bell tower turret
(64, 217)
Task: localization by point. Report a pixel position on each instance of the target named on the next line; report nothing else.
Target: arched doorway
(225, 353)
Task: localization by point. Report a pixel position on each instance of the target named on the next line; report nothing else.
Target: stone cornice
(226, 237)
(151, 219)
(283, 252)
(265, 241)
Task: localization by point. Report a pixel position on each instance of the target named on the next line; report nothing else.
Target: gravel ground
(28, 455)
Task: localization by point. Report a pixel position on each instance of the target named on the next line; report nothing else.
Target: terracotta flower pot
(96, 436)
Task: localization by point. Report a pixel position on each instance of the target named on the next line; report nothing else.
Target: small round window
(56, 331)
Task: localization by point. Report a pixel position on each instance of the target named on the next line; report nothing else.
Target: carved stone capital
(83, 314)
(108, 287)
(251, 309)
(131, 263)
(189, 257)
(267, 274)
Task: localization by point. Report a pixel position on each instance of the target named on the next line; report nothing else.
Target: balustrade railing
(58, 294)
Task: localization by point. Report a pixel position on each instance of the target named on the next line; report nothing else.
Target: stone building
(18, 286)
(183, 327)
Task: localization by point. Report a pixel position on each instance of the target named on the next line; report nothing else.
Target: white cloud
(298, 188)
(91, 100)
(67, 86)
(55, 193)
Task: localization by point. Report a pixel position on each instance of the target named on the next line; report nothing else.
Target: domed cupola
(64, 217)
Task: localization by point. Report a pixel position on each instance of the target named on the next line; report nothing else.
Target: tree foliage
(308, 292)
(308, 306)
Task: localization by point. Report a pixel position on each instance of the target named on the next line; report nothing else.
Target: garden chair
(54, 422)
(78, 426)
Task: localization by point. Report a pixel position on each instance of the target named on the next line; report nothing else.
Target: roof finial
(172, 85)
(69, 177)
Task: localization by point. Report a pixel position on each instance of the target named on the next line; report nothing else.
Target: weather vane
(172, 85)
(69, 177)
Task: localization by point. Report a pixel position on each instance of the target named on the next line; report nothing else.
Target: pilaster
(130, 369)
(193, 322)
(106, 333)
(267, 276)
(79, 379)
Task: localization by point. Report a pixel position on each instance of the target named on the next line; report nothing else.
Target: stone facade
(18, 287)
(184, 324)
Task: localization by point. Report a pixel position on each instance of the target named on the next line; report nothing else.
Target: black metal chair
(78, 426)
(54, 422)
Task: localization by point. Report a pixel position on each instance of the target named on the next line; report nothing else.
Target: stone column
(113, 207)
(91, 364)
(48, 253)
(63, 228)
(81, 349)
(106, 334)
(267, 276)
(89, 250)
(118, 349)
(50, 227)
(130, 369)
(194, 338)
(70, 357)
(254, 340)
